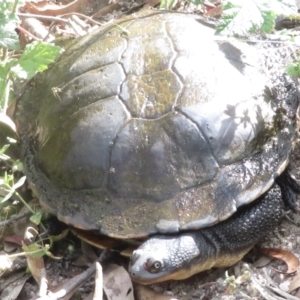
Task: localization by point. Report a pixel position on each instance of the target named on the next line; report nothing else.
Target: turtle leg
(290, 189)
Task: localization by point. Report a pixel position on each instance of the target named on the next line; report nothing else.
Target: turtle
(154, 128)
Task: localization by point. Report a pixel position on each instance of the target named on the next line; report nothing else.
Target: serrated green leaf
(5, 67)
(269, 21)
(8, 37)
(35, 58)
(241, 17)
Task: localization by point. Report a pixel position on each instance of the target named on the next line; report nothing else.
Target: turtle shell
(154, 125)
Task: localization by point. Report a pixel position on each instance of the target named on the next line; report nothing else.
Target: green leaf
(35, 250)
(293, 69)
(241, 17)
(197, 2)
(3, 156)
(269, 21)
(36, 218)
(166, 4)
(17, 166)
(19, 183)
(8, 196)
(4, 148)
(35, 58)
(5, 67)
(8, 23)
(14, 187)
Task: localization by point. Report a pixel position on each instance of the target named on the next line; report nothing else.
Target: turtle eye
(154, 266)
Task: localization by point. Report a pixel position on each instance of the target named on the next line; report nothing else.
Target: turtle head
(164, 258)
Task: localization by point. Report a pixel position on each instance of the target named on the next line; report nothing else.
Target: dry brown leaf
(262, 261)
(215, 11)
(288, 257)
(12, 291)
(295, 283)
(67, 289)
(106, 10)
(51, 9)
(117, 284)
(145, 293)
(14, 239)
(151, 3)
(37, 29)
(36, 266)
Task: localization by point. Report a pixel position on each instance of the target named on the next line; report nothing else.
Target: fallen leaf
(66, 290)
(12, 291)
(5, 262)
(51, 9)
(295, 283)
(36, 266)
(117, 284)
(106, 10)
(288, 257)
(15, 239)
(215, 11)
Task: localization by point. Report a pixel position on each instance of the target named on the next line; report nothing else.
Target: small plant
(16, 64)
(21, 65)
(243, 17)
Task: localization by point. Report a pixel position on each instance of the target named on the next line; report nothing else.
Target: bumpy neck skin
(180, 256)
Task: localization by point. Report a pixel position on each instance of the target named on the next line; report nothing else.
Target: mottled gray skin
(163, 258)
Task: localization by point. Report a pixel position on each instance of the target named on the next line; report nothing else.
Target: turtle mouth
(145, 266)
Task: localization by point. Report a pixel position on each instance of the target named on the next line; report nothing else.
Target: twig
(283, 293)
(14, 218)
(272, 286)
(263, 290)
(83, 16)
(98, 294)
(43, 283)
(58, 19)
(23, 30)
(74, 284)
(48, 18)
